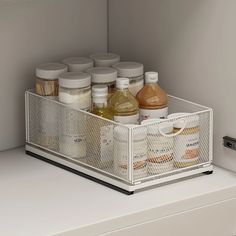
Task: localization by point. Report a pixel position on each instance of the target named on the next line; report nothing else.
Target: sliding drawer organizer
(115, 162)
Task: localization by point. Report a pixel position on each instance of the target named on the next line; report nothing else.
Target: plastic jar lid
(122, 83)
(129, 69)
(102, 74)
(50, 71)
(153, 129)
(121, 133)
(105, 59)
(74, 80)
(99, 91)
(78, 64)
(190, 121)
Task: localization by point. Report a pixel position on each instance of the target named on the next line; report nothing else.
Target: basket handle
(174, 134)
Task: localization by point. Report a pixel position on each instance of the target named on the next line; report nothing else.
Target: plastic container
(152, 99)
(78, 64)
(134, 71)
(105, 59)
(186, 148)
(104, 76)
(74, 91)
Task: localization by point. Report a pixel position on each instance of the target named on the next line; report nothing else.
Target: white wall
(193, 46)
(35, 31)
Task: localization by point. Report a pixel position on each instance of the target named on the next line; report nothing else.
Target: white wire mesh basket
(125, 158)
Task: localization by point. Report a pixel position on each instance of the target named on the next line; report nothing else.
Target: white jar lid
(99, 91)
(151, 77)
(122, 83)
(153, 129)
(190, 121)
(122, 133)
(102, 74)
(74, 80)
(105, 59)
(78, 64)
(129, 69)
(50, 71)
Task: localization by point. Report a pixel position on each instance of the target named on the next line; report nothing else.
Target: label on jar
(106, 143)
(134, 119)
(186, 148)
(153, 113)
(73, 145)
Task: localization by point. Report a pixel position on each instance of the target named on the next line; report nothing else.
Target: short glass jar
(78, 64)
(134, 71)
(104, 76)
(105, 59)
(74, 91)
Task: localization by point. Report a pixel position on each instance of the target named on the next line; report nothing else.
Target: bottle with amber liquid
(123, 105)
(152, 99)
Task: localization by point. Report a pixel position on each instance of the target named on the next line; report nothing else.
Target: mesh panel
(128, 153)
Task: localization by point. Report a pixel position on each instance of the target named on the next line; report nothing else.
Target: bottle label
(134, 119)
(153, 113)
(186, 148)
(106, 143)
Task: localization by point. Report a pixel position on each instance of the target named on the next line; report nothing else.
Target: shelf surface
(40, 199)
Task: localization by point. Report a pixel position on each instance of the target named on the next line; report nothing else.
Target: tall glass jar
(104, 76)
(78, 64)
(134, 71)
(75, 92)
(47, 85)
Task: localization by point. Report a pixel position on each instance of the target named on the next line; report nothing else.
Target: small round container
(78, 64)
(105, 59)
(134, 71)
(186, 148)
(75, 89)
(47, 78)
(160, 148)
(104, 76)
(139, 151)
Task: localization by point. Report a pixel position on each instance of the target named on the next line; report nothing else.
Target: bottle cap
(103, 74)
(154, 125)
(122, 83)
(105, 59)
(151, 77)
(190, 121)
(74, 80)
(129, 69)
(50, 71)
(99, 91)
(78, 64)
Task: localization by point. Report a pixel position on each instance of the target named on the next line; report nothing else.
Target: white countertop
(40, 199)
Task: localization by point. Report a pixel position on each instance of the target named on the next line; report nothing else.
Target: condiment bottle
(100, 139)
(123, 105)
(75, 92)
(160, 146)
(47, 86)
(105, 59)
(186, 143)
(134, 71)
(104, 76)
(78, 64)
(121, 155)
(152, 99)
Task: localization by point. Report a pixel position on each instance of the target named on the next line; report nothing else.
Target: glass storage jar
(78, 64)
(75, 92)
(105, 59)
(134, 71)
(104, 76)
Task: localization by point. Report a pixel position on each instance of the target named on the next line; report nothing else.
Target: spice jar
(121, 155)
(78, 64)
(75, 92)
(104, 76)
(160, 146)
(47, 85)
(134, 71)
(186, 143)
(105, 59)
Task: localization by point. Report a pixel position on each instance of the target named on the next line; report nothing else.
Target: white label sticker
(134, 119)
(186, 148)
(153, 113)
